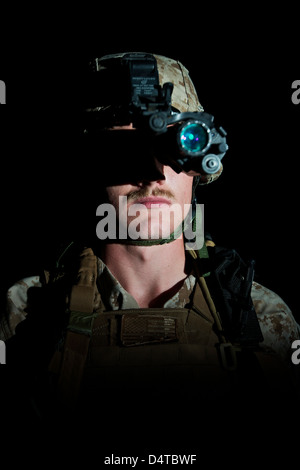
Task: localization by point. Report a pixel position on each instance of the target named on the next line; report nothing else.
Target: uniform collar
(115, 297)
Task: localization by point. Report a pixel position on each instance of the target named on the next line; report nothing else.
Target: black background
(242, 62)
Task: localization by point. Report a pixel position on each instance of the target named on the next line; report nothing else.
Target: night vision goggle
(126, 90)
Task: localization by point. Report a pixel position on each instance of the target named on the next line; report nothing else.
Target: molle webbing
(84, 291)
(83, 296)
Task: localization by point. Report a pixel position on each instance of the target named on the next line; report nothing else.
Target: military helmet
(184, 97)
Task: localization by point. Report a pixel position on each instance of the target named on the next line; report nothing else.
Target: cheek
(113, 194)
(186, 185)
(180, 184)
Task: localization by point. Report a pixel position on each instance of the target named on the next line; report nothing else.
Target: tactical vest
(155, 350)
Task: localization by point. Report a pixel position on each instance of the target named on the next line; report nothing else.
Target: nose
(155, 172)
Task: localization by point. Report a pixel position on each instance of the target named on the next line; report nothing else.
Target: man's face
(152, 208)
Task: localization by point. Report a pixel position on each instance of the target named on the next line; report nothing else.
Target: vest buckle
(228, 356)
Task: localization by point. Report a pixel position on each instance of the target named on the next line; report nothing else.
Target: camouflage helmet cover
(184, 96)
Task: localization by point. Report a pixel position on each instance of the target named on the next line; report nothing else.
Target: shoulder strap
(84, 292)
(83, 297)
(227, 351)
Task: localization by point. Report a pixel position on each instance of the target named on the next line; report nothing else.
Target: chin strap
(153, 241)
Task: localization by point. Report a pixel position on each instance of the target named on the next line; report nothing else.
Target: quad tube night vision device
(124, 89)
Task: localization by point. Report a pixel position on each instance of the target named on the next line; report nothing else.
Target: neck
(151, 274)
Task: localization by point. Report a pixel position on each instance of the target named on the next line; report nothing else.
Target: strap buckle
(228, 356)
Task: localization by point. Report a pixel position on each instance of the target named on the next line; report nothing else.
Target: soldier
(150, 314)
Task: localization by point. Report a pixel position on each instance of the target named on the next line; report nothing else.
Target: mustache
(144, 192)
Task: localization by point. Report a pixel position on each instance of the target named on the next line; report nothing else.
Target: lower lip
(150, 203)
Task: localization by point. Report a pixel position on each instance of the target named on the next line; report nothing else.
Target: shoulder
(16, 304)
(278, 325)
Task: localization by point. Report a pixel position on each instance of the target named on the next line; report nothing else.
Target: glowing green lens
(193, 137)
